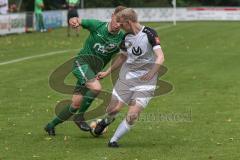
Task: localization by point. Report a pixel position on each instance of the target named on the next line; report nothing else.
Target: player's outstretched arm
(75, 22)
(158, 62)
(116, 64)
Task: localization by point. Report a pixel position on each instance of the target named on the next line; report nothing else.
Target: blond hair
(127, 14)
(118, 9)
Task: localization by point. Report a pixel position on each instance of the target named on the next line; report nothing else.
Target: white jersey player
(141, 57)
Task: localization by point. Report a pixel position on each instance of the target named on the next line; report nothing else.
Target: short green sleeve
(90, 24)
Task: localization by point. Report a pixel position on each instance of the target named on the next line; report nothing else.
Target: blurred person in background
(13, 8)
(39, 5)
(3, 6)
(72, 6)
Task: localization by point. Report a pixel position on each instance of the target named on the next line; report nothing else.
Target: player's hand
(74, 22)
(101, 75)
(148, 76)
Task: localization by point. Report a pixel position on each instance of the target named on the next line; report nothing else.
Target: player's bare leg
(114, 107)
(132, 115)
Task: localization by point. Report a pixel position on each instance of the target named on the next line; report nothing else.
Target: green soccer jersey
(100, 43)
(37, 8)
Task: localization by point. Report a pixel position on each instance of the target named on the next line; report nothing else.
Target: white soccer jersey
(140, 52)
(141, 57)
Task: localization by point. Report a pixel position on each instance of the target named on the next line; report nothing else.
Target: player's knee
(96, 89)
(76, 101)
(75, 104)
(94, 86)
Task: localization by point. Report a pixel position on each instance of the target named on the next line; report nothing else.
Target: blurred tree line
(28, 5)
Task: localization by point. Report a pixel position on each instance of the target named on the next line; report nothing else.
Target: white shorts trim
(118, 97)
(143, 101)
(143, 88)
(157, 47)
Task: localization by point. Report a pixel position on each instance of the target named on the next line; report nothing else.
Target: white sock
(122, 129)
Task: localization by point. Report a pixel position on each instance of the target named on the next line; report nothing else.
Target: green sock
(64, 115)
(87, 101)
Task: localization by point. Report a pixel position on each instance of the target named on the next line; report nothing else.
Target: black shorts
(72, 13)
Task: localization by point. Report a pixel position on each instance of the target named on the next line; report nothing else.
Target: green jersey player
(38, 7)
(100, 46)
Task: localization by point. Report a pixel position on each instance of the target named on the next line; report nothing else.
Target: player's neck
(136, 28)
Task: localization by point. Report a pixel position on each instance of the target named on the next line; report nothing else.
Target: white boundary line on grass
(163, 27)
(57, 52)
(36, 56)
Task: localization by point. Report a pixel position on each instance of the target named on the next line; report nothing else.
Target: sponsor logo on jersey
(104, 48)
(137, 52)
(110, 47)
(99, 35)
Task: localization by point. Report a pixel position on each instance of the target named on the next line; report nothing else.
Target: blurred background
(17, 16)
(200, 40)
(28, 5)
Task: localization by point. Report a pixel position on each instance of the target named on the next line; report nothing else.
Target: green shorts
(85, 68)
(83, 73)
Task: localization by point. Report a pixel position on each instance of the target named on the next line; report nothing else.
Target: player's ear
(112, 17)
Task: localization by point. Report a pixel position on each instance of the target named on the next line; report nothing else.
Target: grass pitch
(203, 61)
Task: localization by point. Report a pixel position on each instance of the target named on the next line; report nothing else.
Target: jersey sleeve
(152, 37)
(90, 24)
